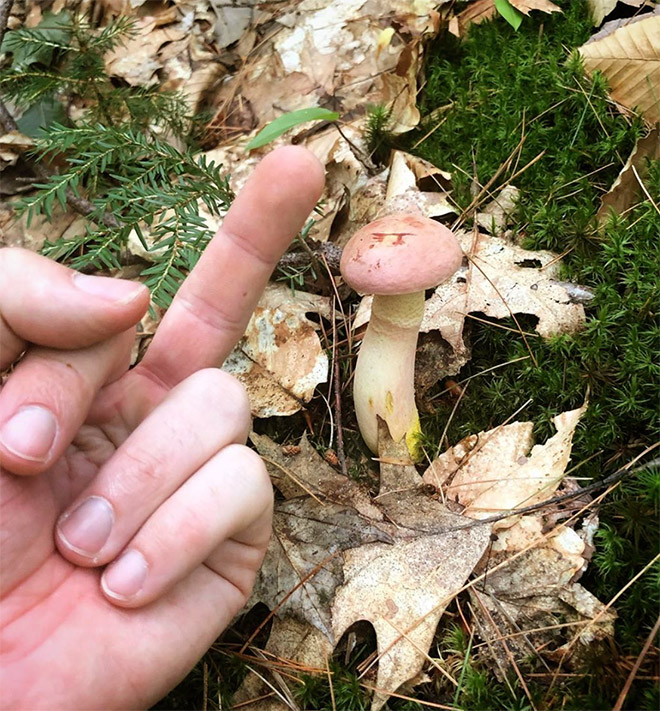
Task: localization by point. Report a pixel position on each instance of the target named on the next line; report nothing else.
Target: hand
(132, 517)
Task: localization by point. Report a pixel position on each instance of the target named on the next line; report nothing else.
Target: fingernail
(120, 291)
(125, 578)
(30, 433)
(86, 529)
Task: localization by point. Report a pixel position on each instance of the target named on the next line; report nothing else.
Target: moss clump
(502, 86)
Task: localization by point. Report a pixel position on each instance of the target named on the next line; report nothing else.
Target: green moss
(501, 86)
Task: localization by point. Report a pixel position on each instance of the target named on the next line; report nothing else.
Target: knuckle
(141, 469)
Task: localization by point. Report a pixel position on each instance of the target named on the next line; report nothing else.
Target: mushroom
(395, 258)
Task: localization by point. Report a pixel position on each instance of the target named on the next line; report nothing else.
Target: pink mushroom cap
(400, 254)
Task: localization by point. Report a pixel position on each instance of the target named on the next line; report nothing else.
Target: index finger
(214, 304)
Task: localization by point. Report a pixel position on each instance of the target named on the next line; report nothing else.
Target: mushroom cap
(400, 254)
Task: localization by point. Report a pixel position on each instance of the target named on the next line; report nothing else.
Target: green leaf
(286, 121)
(509, 13)
(31, 46)
(40, 116)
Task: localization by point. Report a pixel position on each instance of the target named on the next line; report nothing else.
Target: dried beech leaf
(280, 359)
(482, 10)
(136, 60)
(403, 193)
(629, 58)
(526, 6)
(476, 12)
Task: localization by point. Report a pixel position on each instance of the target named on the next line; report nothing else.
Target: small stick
(614, 478)
(341, 453)
(327, 251)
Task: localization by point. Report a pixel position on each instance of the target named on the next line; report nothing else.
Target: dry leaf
(303, 472)
(297, 643)
(404, 587)
(494, 217)
(17, 233)
(482, 10)
(403, 193)
(530, 583)
(501, 279)
(321, 567)
(600, 9)
(136, 61)
(533, 573)
(526, 6)
(14, 141)
(475, 12)
(304, 562)
(280, 359)
(500, 470)
(626, 187)
(327, 53)
(232, 21)
(629, 58)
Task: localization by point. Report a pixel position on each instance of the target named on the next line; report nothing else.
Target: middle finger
(206, 412)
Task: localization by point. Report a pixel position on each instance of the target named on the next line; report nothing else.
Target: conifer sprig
(117, 160)
(152, 189)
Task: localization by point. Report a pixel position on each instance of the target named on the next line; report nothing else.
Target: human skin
(159, 448)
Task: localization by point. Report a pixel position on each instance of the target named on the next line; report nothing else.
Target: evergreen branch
(35, 40)
(110, 36)
(59, 186)
(132, 180)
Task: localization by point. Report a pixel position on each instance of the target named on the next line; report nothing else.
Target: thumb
(45, 303)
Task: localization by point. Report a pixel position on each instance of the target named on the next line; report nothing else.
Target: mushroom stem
(384, 373)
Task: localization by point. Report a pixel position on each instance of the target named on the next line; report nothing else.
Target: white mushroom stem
(385, 369)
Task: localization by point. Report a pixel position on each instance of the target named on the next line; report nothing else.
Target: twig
(614, 478)
(327, 251)
(638, 663)
(341, 453)
(5, 9)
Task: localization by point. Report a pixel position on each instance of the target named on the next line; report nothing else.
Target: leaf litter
(338, 554)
